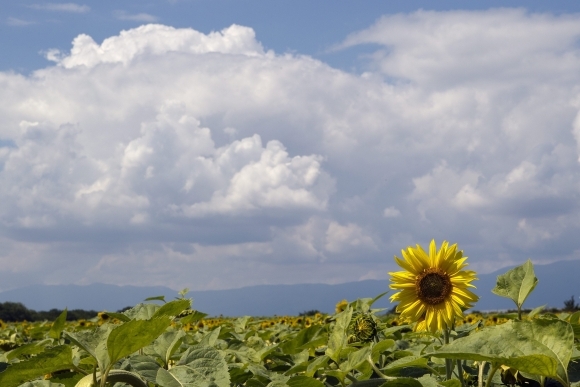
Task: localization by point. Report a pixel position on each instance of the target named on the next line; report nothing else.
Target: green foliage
(338, 337)
(171, 345)
(541, 347)
(134, 335)
(517, 283)
(57, 326)
(51, 360)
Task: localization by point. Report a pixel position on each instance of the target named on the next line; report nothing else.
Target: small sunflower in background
(341, 306)
(433, 288)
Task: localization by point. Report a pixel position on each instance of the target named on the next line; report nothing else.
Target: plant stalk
(494, 368)
(480, 374)
(377, 370)
(448, 362)
(460, 373)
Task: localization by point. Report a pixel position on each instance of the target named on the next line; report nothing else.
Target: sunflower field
(432, 340)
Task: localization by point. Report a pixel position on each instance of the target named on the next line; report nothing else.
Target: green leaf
(194, 317)
(356, 359)
(67, 379)
(41, 383)
(339, 374)
(300, 341)
(172, 309)
(277, 383)
(428, 381)
(151, 371)
(28, 349)
(451, 383)
(156, 298)
(576, 329)
(316, 364)
(202, 366)
(211, 337)
(303, 381)
(94, 342)
(574, 318)
(541, 347)
(141, 311)
(536, 311)
(51, 360)
(393, 368)
(381, 347)
(338, 338)
(57, 326)
(133, 335)
(166, 345)
(517, 283)
(240, 324)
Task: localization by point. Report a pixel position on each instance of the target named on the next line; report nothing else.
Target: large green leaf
(133, 335)
(57, 326)
(338, 337)
(94, 342)
(141, 311)
(517, 283)
(356, 359)
(166, 345)
(173, 308)
(541, 347)
(202, 366)
(151, 371)
(51, 360)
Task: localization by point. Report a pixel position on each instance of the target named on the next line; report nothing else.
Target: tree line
(16, 311)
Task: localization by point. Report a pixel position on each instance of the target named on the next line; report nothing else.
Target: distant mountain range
(557, 283)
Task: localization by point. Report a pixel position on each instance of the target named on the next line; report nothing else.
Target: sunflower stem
(494, 368)
(377, 370)
(480, 374)
(460, 373)
(448, 362)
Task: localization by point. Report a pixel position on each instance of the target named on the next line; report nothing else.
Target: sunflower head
(433, 288)
(341, 306)
(363, 328)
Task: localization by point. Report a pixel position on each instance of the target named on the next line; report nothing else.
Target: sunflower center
(433, 286)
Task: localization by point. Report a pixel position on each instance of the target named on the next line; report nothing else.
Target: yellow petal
(421, 256)
(405, 265)
(433, 253)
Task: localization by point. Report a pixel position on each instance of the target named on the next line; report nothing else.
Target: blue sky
(221, 144)
(301, 26)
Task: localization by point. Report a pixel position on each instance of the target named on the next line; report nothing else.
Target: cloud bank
(166, 156)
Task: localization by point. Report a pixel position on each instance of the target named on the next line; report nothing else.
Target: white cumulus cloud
(165, 153)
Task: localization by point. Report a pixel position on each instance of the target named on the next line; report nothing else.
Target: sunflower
(433, 288)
